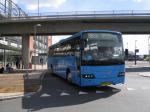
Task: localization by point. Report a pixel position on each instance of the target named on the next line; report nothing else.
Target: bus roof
(80, 33)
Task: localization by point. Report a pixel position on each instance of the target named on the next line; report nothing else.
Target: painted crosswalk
(64, 94)
(99, 92)
(131, 89)
(67, 93)
(80, 92)
(45, 95)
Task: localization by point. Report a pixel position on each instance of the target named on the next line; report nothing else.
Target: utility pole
(127, 52)
(38, 7)
(149, 49)
(135, 53)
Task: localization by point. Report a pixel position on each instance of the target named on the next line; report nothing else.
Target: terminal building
(11, 50)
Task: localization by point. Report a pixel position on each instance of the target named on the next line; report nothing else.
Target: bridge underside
(68, 26)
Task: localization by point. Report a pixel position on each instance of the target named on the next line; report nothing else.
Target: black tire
(68, 76)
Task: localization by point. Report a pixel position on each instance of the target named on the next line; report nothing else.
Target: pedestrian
(17, 64)
(1, 69)
(7, 67)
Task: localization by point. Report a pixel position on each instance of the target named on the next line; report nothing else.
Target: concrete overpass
(127, 23)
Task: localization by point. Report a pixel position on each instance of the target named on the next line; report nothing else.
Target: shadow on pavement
(56, 92)
(138, 69)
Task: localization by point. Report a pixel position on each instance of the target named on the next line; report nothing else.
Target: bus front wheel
(69, 77)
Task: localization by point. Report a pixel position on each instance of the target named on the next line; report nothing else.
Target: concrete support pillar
(25, 51)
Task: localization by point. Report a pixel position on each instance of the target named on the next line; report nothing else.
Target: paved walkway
(131, 64)
(143, 67)
(14, 85)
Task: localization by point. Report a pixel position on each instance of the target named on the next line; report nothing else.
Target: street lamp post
(149, 49)
(128, 50)
(35, 31)
(38, 7)
(135, 53)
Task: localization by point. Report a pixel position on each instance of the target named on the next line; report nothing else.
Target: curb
(26, 94)
(144, 75)
(16, 96)
(136, 66)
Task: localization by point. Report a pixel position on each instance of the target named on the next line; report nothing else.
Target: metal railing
(86, 13)
(9, 9)
(17, 13)
(83, 14)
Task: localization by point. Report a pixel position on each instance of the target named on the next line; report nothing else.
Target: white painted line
(145, 88)
(131, 89)
(81, 92)
(64, 94)
(99, 92)
(45, 95)
(115, 90)
(28, 96)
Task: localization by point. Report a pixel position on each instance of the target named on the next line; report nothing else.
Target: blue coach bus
(89, 58)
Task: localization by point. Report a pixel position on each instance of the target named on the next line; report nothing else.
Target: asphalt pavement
(59, 96)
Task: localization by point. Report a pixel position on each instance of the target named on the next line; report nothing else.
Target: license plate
(106, 83)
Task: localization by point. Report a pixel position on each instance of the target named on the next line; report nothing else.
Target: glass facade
(41, 44)
(11, 49)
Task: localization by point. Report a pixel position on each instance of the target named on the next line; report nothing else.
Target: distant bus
(89, 58)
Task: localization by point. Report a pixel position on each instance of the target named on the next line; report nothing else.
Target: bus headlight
(121, 74)
(88, 76)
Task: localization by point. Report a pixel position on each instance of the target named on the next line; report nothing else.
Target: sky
(82, 5)
(31, 6)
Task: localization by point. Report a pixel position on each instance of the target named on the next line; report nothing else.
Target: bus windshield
(102, 49)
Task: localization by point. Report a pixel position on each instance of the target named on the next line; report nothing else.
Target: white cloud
(137, 1)
(32, 7)
(128, 0)
(33, 4)
(56, 39)
(57, 3)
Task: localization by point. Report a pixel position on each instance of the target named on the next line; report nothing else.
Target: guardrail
(81, 14)
(111, 12)
(9, 9)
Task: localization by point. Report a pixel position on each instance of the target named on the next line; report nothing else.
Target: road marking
(64, 94)
(82, 92)
(28, 96)
(131, 89)
(99, 92)
(115, 90)
(145, 88)
(45, 95)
